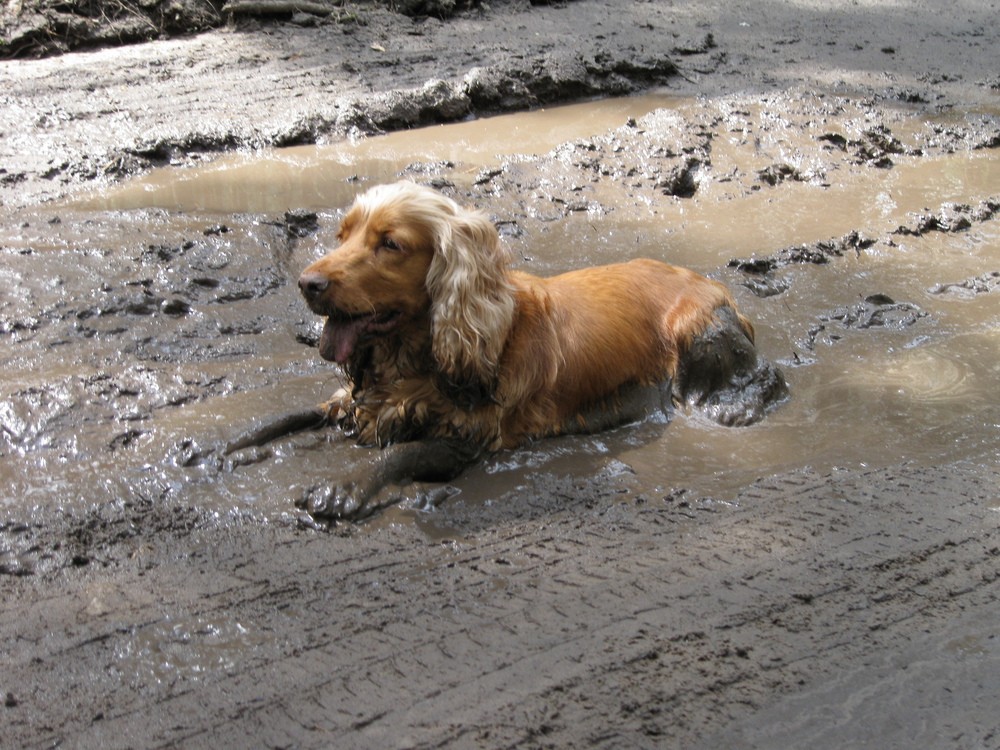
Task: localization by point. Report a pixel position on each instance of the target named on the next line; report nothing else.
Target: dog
(450, 354)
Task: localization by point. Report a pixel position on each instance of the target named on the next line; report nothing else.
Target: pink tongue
(339, 339)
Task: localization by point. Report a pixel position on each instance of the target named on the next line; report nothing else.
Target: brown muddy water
(149, 322)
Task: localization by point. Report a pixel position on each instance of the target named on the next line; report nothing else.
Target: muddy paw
(340, 501)
(353, 501)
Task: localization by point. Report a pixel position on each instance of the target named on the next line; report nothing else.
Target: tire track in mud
(623, 624)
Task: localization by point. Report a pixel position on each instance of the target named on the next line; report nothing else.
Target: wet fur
(480, 355)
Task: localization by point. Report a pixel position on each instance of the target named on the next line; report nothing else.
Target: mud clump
(764, 282)
(987, 283)
(953, 217)
(680, 181)
(878, 311)
(874, 311)
(778, 173)
(817, 253)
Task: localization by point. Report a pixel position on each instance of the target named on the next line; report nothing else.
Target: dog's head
(411, 256)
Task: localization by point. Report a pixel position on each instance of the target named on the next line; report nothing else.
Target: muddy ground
(155, 594)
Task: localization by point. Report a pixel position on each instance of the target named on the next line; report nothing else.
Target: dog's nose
(313, 284)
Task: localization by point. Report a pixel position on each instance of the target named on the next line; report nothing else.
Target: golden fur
(441, 339)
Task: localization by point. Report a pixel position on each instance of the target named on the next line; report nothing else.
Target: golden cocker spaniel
(450, 353)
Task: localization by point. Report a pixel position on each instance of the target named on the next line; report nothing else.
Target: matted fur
(441, 339)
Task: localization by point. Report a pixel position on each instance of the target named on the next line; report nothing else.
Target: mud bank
(827, 578)
(171, 102)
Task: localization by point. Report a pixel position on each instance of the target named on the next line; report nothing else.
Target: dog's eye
(388, 243)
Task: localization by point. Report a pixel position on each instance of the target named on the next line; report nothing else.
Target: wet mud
(824, 577)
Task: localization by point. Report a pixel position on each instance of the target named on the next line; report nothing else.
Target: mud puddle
(152, 321)
(328, 177)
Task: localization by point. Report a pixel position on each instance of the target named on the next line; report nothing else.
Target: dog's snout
(313, 284)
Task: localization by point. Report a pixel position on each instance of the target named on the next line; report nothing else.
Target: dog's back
(583, 336)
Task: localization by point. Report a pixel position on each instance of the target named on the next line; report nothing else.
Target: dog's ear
(472, 305)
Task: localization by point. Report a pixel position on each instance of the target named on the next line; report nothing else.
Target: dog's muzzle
(312, 286)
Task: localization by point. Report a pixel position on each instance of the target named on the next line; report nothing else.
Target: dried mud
(593, 592)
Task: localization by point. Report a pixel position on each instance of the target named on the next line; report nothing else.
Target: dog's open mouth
(343, 331)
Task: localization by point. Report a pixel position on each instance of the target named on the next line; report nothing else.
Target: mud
(827, 577)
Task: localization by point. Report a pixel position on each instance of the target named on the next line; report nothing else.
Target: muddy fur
(723, 376)
(441, 341)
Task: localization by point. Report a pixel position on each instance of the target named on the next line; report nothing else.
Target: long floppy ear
(472, 305)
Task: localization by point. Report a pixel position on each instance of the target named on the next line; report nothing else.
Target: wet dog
(450, 354)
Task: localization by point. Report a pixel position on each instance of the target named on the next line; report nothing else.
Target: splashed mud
(672, 581)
